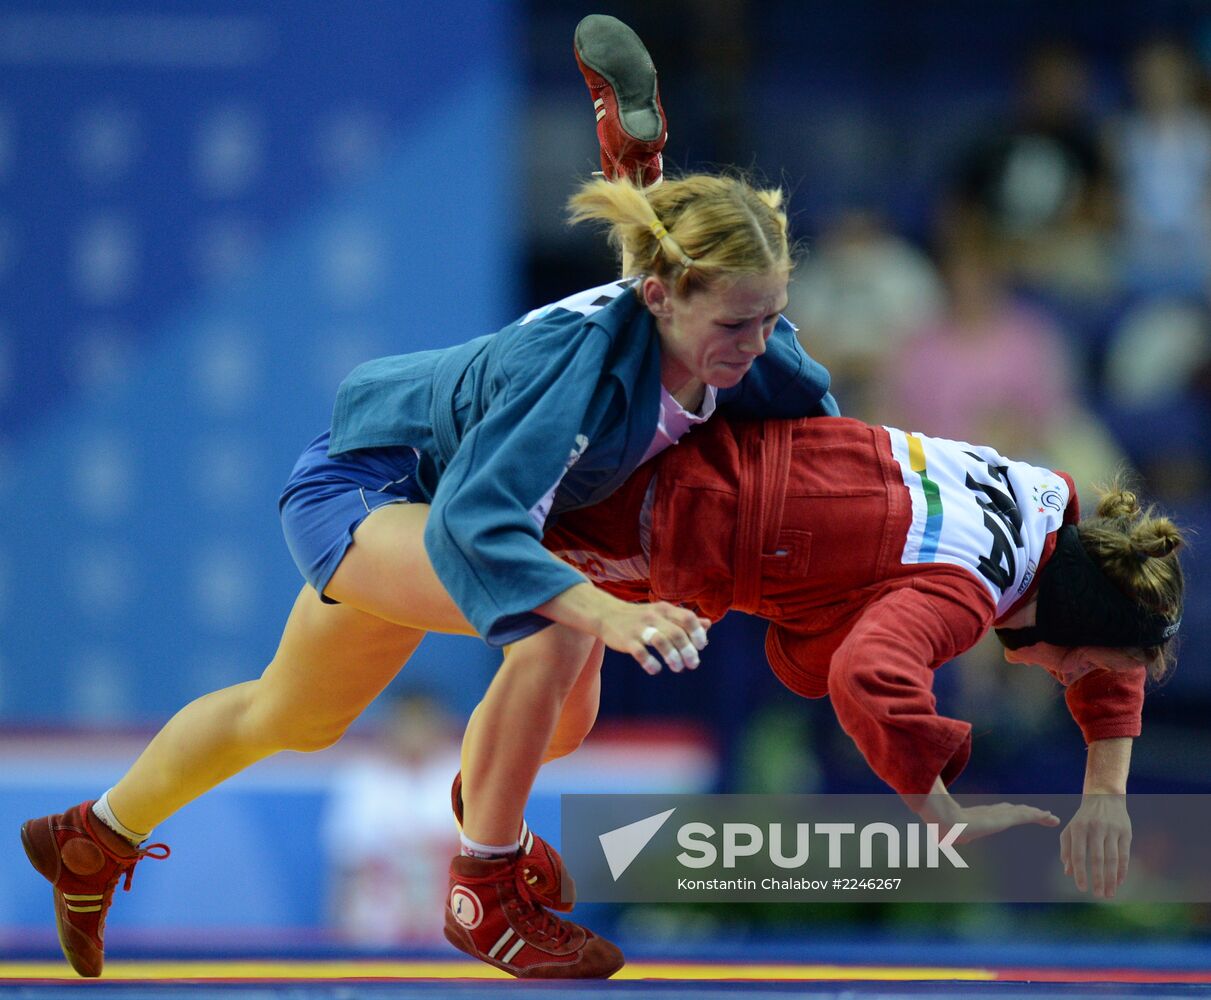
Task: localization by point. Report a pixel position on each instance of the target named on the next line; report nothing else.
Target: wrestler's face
(1069, 663)
(714, 334)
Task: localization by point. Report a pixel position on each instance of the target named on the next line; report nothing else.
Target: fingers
(685, 623)
(677, 656)
(1019, 815)
(677, 637)
(1094, 860)
(1042, 817)
(1117, 859)
(1095, 847)
(674, 634)
(983, 821)
(646, 660)
(1109, 873)
(1076, 861)
(1096, 856)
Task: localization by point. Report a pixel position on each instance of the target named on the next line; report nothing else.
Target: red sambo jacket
(808, 524)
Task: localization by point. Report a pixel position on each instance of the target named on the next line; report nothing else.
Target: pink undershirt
(675, 420)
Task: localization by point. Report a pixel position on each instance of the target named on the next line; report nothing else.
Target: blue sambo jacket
(568, 394)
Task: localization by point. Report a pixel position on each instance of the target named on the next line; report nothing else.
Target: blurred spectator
(995, 371)
(389, 833)
(1158, 394)
(1162, 150)
(988, 369)
(855, 297)
(1158, 352)
(1036, 189)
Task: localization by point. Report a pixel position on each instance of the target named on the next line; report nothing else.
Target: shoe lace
(126, 866)
(535, 921)
(157, 852)
(126, 862)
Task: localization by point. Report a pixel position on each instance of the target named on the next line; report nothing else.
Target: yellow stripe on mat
(478, 970)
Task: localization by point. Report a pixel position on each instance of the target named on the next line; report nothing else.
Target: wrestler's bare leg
(538, 701)
(331, 662)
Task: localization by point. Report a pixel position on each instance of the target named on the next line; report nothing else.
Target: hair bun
(1156, 539)
(1118, 503)
(1137, 550)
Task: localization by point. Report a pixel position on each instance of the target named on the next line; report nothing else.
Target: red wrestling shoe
(83, 859)
(542, 867)
(493, 915)
(631, 127)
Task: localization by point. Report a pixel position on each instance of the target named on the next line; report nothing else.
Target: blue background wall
(209, 217)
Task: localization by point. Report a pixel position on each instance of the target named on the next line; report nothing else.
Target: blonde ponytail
(689, 231)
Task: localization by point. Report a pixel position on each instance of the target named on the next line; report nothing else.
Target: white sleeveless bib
(974, 508)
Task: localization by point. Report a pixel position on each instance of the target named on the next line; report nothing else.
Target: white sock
(486, 852)
(106, 815)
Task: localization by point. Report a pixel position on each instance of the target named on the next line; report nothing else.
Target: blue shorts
(327, 498)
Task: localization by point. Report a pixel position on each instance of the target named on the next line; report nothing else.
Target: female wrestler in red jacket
(876, 556)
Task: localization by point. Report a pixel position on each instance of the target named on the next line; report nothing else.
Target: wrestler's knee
(577, 719)
(551, 659)
(308, 736)
(562, 745)
(285, 722)
(570, 734)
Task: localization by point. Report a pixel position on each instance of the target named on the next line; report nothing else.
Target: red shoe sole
(461, 945)
(601, 40)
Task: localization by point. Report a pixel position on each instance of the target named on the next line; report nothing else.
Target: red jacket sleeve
(881, 677)
(1107, 704)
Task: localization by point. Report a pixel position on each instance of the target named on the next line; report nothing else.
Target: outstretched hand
(1095, 846)
(978, 821)
(982, 821)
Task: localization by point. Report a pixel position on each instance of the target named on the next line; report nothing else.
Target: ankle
(109, 823)
(487, 852)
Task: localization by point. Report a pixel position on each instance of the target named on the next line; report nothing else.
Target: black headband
(1078, 606)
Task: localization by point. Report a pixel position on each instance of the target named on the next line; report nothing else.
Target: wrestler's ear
(657, 296)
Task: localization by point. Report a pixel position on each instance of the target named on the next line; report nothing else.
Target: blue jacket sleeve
(484, 543)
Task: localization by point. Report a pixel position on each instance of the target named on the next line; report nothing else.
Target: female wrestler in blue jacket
(423, 509)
